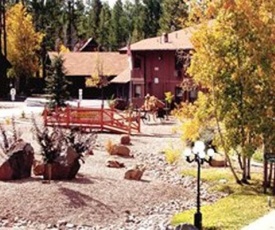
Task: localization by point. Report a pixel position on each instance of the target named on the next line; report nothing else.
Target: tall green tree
(57, 83)
(80, 20)
(139, 21)
(42, 13)
(23, 43)
(174, 15)
(94, 17)
(152, 17)
(234, 59)
(104, 27)
(118, 32)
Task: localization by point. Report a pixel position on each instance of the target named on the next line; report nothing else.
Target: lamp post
(198, 154)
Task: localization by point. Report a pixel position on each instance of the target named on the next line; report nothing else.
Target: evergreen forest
(71, 21)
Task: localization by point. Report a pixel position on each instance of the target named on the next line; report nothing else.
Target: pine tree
(118, 34)
(57, 83)
(104, 27)
(94, 17)
(152, 15)
(139, 20)
(174, 13)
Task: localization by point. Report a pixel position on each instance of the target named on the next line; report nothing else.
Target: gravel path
(99, 198)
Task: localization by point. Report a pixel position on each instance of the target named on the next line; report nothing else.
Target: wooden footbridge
(93, 119)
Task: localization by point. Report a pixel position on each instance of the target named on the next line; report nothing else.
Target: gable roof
(87, 63)
(180, 39)
(176, 40)
(86, 45)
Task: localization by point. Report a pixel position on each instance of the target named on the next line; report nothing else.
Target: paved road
(9, 109)
(36, 105)
(266, 222)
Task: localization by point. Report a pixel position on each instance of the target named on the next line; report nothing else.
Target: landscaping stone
(135, 173)
(125, 140)
(64, 167)
(114, 164)
(17, 163)
(121, 150)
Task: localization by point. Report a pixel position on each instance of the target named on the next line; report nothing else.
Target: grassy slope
(244, 204)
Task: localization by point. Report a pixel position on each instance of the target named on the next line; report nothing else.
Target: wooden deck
(93, 119)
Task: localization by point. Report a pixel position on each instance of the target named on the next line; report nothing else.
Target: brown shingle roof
(87, 63)
(176, 40)
(123, 77)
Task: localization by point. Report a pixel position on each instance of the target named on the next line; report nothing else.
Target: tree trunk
(240, 161)
(222, 140)
(248, 168)
(244, 174)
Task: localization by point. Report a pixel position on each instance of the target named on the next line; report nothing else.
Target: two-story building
(158, 66)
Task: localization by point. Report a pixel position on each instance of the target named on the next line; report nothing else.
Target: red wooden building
(158, 66)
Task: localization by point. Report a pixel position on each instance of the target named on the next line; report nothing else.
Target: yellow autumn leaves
(23, 42)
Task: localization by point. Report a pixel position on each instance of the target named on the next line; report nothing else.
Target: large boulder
(17, 163)
(64, 167)
(60, 171)
(6, 171)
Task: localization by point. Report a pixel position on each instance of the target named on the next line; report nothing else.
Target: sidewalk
(266, 222)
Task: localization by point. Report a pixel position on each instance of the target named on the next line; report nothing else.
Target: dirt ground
(98, 195)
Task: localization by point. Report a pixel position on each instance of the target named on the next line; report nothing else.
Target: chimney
(165, 37)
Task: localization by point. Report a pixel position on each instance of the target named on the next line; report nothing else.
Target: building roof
(180, 39)
(123, 77)
(88, 45)
(176, 40)
(87, 63)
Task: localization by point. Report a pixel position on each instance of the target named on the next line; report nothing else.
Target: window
(137, 90)
(137, 63)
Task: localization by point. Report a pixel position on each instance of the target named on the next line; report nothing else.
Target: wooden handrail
(92, 118)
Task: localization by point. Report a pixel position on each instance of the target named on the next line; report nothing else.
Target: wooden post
(101, 117)
(56, 114)
(68, 116)
(265, 175)
(138, 120)
(112, 115)
(129, 121)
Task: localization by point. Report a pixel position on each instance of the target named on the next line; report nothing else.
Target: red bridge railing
(88, 119)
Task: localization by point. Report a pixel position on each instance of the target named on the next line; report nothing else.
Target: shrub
(172, 155)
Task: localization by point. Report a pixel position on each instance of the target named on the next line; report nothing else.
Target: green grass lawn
(243, 205)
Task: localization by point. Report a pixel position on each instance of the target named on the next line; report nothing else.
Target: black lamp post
(199, 156)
